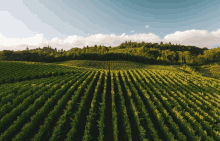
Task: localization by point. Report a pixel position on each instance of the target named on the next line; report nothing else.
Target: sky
(66, 24)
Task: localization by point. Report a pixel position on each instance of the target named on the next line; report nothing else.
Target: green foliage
(214, 70)
(149, 53)
(106, 65)
(191, 69)
(14, 71)
(146, 102)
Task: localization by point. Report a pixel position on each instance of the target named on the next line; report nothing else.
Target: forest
(150, 53)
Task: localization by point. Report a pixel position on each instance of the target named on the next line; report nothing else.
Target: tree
(130, 42)
(206, 54)
(172, 55)
(135, 44)
(165, 54)
(142, 44)
(68, 55)
(121, 45)
(188, 57)
(126, 43)
(180, 54)
(104, 49)
(200, 59)
(99, 48)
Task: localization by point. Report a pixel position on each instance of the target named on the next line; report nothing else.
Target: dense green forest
(150, 53)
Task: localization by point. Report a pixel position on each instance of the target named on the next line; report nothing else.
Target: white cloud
(123, 34)
(132, 31)
(199, 38)
(73, 41)
(216, 33)
(147, 26)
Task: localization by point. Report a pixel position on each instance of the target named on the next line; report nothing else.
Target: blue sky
(77, 23)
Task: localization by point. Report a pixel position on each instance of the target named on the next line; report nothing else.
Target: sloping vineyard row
(10, 99)
(174, 103)
(49, 120)
(215, 70)
(20, 71)
(17, 86)
(117, 105)
(114, 65)
(23, 97)
(25, 110)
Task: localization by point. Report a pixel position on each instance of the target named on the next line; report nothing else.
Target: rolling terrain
(108, 100)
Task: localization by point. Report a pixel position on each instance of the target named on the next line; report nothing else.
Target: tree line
(138, 52)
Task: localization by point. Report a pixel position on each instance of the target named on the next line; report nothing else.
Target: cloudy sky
(77, 23)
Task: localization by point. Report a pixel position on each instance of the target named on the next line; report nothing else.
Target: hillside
(148, 53)
(107, 100)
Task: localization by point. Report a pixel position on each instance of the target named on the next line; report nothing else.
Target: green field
(108, 101)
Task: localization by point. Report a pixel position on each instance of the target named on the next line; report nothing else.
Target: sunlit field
(106, 100)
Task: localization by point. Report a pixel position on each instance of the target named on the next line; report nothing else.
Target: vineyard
(113, 65)
(108, 101)
(214, 69)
